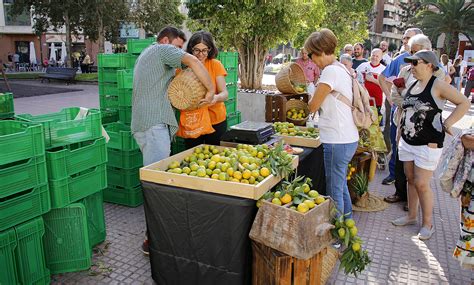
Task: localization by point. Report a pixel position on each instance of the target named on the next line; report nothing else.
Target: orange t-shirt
(217, 111)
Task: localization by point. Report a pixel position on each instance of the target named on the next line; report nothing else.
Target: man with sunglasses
(385, 80)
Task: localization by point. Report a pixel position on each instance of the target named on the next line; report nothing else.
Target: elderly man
(390, 130)
(368, 72)
(386, 59)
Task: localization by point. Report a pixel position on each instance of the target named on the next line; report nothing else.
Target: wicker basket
(292, 73)
(298, 105)
(185, 91)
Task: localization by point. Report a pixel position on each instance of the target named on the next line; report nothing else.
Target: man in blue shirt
(396, 173)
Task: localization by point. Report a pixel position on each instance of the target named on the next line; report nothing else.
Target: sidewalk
(398, 256)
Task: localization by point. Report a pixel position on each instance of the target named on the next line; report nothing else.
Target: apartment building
(386, 23)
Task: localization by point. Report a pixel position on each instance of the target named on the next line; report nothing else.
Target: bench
(59, 73)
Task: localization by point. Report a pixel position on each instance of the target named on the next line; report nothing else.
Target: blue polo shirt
(395, 66)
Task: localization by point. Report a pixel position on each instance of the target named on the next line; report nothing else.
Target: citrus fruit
(319, 200)
(230, 171)
(341, 232)
(276, 201)
(245, 181)
(215, 176)
(313, 193)
(310, 203)
(277, 194)
(255, 173)
(264, 172)
(223, 176)
(353, 231)
(356, 246)
(302, 208)
(211, 165)
(350, 223)
(306, 188)
(216, 158)
(186, 170)
(246, 174)
(173, 165)
(238, 175)
(201, 172)
(286, 198)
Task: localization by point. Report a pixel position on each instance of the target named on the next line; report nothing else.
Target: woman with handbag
(212, 123)
(338, 132)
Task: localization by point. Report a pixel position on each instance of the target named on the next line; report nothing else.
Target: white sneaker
(403, 221)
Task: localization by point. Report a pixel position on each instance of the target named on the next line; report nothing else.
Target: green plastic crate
(131, 197)
(22, 176)
(22, 140)
(178, 146)
(7, 109)
(29, 253)
(233, 119)
(125, 79)
(125, 115)
(229, 59)
(107, 75)
(232, 75)
(117, 61)
(61, 128)
(136, 46)
(125, 97)
(95, 218)
(8, 244)
(121, 137)
(66, 161)
(231, 106)
(126, 178)
(108, 89)
(23, 206)
(109, 116)
(66, 239)
(124, 159)
(108, 101)
(72, 188)
(232, 90)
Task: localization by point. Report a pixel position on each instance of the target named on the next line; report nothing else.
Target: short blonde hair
(321, 41)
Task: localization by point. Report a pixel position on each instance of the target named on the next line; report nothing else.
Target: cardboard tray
(300, 141)
(156, 173)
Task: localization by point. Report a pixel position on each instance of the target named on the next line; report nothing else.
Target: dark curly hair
(204, 38)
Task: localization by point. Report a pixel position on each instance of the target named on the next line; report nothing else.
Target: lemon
(223, 176)
(216, 158)
(350, 223)
(353, 231)
(201, 172)
(238, 175)
(252, 180)
(186, 170)
(255, 173)
(216, 171)
(211, 165)
(310, 203)
(277, 194)
(286, 198)
(235, 180)
(302, 208)
(260, 154)
(306, 188)
(313, 193)
(319, 200)
(173, 165)
(215, 176)
(264, 172)
(276, 201)
(245, 181)
(341, 232)
(230, 171)
(356, 246)
(209, 172)
(246, 174)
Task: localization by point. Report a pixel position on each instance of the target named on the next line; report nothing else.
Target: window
(386, 14)
(23, 19)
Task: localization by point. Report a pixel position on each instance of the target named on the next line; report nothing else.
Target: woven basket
(292, 73)
(185, 91)
(298, 105)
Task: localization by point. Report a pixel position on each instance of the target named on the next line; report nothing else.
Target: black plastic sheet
(311, 165)
(198, 237)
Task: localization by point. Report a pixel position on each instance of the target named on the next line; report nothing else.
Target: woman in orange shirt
(201, 45)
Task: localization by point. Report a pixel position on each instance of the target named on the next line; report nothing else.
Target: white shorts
(424, 157)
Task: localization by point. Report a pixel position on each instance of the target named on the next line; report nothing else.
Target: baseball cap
(426, 55)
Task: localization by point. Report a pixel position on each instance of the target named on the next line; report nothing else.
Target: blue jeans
(393, 142)
(336, 160)
(155, 143)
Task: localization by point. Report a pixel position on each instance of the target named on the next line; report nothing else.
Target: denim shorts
(155, 143)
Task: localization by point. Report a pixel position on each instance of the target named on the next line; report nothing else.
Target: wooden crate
(291, 232)
(271, 267)
(275, 106)
(156, 173)
(301, 141)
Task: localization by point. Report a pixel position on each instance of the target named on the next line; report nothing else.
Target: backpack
(362, 114)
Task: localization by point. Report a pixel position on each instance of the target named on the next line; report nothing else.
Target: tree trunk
(252, 62)
(67, 24)
(101, 38)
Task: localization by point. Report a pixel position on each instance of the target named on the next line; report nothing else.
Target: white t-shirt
(387, 59)
(336, 124)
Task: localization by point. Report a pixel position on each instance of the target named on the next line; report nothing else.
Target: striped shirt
(154, 69)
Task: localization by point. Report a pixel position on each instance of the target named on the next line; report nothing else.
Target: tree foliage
(153, 15)
(451, 17)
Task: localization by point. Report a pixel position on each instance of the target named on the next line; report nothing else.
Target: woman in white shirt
(338, 133)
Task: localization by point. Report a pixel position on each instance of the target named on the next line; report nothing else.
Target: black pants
(400, 180)
(212, 139)
(469, 86)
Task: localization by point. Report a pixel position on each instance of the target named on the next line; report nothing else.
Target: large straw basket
(185, 91)
(292, 73)
(298, 105)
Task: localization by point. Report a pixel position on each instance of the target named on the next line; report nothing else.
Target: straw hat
(186, 90)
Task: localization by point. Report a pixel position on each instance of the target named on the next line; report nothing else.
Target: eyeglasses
(197, 51)
(415, 63)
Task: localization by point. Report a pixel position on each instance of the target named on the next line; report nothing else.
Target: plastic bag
(195, 123)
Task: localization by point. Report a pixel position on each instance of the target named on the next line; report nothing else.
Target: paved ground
(398, 257)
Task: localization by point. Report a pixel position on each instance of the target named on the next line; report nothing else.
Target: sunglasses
(198, 51)
(415, 63)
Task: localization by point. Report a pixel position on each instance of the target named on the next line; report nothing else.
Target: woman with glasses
(422, 133)
(201, 45)
(338, 132)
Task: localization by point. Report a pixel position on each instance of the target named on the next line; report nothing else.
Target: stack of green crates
(6, 106)
(230, 60)
(24, 197)
(125, 160)
(76, 163)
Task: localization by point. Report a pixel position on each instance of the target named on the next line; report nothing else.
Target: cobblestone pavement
(398, 256)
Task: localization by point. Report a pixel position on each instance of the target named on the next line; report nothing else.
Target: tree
(101, 20)
(449, 17)
(251, 27)
(407, 13)
(154, 15)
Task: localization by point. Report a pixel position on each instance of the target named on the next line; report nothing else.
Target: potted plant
(360, 189)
